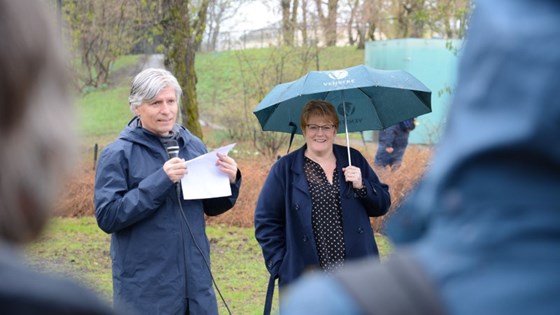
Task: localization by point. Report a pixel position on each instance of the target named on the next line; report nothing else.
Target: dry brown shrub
(254, 172)
(77, 197)
(403, 179)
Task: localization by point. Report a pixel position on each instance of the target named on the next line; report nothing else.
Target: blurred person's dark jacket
(395, 137)
(26, 292)
(483, 225)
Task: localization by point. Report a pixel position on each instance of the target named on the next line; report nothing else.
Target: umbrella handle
(294, 128)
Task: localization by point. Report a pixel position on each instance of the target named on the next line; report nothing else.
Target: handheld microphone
(172, 147)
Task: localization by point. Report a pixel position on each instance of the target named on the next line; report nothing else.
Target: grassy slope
(76, 247)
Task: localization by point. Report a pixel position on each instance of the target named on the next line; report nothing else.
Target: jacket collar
(339, 151)
(298, 160)
(136, 134)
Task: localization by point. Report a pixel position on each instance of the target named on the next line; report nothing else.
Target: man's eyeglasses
(315, 128)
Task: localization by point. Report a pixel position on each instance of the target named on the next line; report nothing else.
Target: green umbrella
(365, 99)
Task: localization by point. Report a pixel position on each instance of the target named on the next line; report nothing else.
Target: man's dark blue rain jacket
(157, 269)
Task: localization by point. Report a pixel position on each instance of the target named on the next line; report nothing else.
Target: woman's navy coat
(156, 266)
(283, 215)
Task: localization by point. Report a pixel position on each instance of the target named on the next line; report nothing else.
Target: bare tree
(449, 18)
(420, 18)
(328, 21)
(257, 80)
(220, 11)
(289, 20)
(376, 19)
(350, 25)
(100, 32)
(304, 14)
(410, 16)
(371, 15)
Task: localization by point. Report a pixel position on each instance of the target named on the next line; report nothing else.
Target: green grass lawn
(77, 248)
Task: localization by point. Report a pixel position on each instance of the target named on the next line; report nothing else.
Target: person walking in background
(159, 247)
(480, 233)
(37, 149)
(314, 209)
(393, 141)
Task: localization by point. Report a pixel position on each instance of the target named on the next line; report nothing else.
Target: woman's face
(319, 134)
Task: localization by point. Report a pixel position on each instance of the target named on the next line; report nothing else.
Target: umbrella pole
(346, 131)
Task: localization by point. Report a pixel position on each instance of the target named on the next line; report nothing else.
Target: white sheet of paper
(204, 179)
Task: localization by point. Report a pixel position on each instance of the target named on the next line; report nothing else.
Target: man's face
(160, 115)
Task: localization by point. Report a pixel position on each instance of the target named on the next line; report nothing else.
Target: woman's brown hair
(319, 108)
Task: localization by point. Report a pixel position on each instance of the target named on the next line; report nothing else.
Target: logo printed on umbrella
(338, 78)
(350, 109)
(338, 75)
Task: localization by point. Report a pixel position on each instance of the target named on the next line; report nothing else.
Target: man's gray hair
(37, 122)
(148, 84)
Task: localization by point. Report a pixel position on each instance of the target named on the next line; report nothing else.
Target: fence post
(95, 149)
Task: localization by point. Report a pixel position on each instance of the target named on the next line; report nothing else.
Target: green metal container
(432, 61)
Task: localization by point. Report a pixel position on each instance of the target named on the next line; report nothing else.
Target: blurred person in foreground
(159, 247)
(314, 209)
(37, 148)
(481, 232)
(392, 144)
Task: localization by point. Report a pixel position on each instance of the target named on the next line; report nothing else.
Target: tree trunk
(328, 22)
(289, 21)
(304, 36)
(183, 33)
(293, 20)
(352, 22)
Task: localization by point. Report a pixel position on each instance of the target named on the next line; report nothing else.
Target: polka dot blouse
(326, 216)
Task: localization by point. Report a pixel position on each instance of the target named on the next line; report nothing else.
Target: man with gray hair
(159, 248)
(37, 147)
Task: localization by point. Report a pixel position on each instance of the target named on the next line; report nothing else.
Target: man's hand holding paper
(227, 165)
(210, 175)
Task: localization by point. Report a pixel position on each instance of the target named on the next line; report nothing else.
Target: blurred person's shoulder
(23, 291)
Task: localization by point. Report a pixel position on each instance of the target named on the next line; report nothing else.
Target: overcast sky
(252, 16)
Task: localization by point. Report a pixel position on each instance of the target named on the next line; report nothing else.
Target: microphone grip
(172, 147)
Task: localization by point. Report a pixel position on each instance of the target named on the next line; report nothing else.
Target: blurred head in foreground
(36, 141)
(36, 121)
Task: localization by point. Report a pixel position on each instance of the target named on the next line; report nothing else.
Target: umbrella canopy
(365, 99)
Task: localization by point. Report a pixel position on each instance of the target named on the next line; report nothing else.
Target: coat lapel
(301, 198)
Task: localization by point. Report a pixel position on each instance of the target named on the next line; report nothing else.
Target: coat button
(305, 238)
(297, 207)
(360, 230)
